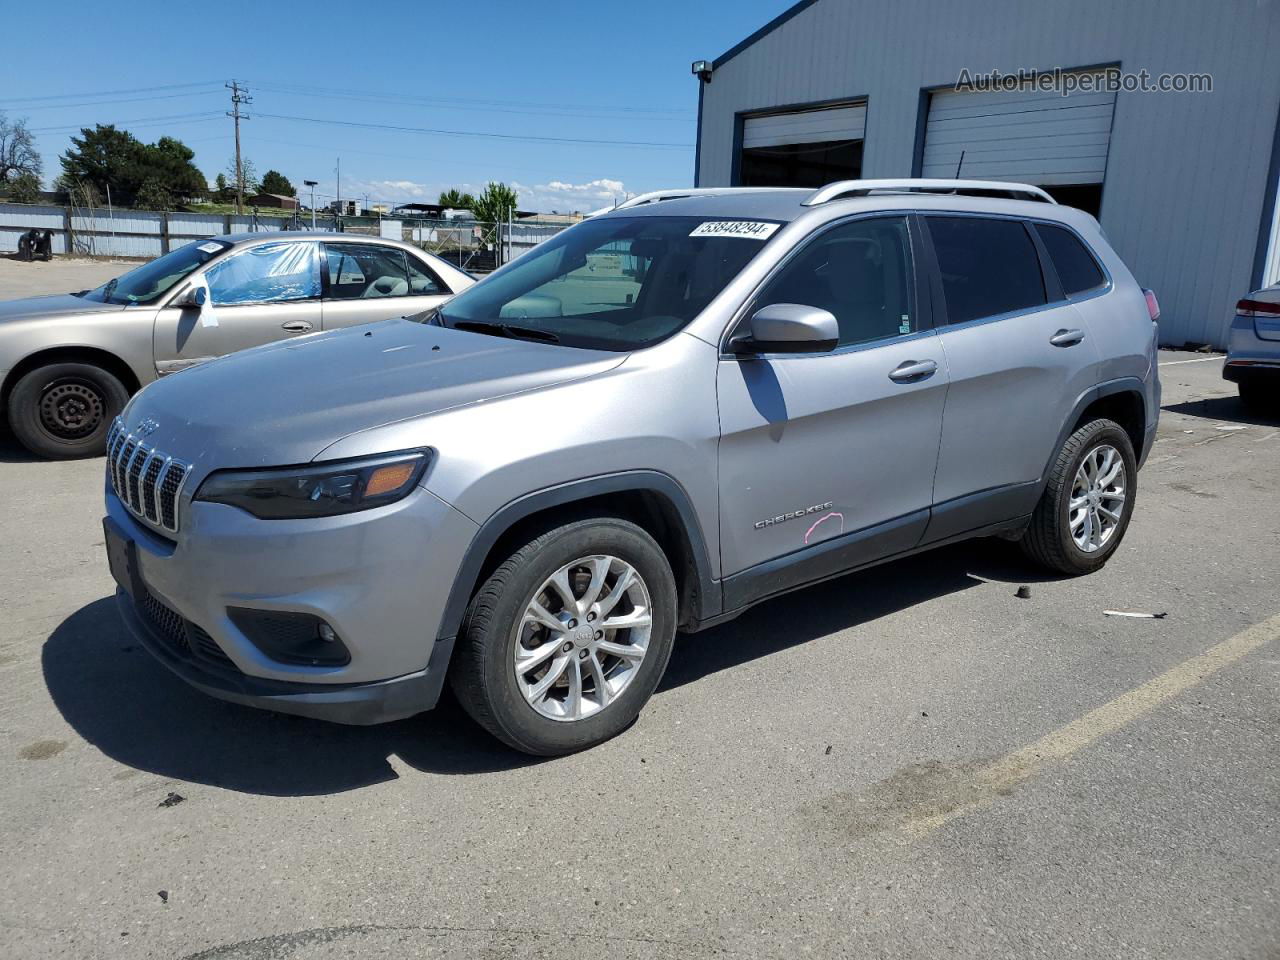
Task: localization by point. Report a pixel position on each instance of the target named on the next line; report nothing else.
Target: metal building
(1184, 181)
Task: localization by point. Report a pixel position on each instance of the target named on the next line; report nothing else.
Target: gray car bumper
(357, 703)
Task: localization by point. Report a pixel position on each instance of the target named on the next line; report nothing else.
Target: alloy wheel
(1097, 498)
(582, 637)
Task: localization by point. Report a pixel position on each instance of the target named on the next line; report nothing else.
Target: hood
(61, 305)
(285, 402)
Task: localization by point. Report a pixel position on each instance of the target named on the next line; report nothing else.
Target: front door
(258, 295)
(372, 281)
(1019, 356)
(832, 455)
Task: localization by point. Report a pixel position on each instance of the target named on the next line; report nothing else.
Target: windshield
(611, 284)
(152, 279)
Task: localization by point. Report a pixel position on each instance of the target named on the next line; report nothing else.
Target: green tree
(494, 203)
(153, 195)
(106, 158)
(248, 174)
(277, 183)
(455, 199)
(24, 188)
(117, 164)
(18, 154)
(222, 191)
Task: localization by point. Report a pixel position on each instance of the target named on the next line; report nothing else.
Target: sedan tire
(63, 411)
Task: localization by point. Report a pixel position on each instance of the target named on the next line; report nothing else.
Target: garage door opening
(802, 148)
(1043, 137)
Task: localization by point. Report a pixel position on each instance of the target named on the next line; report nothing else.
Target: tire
(63, 411)
(483, 674)
(1049, 539)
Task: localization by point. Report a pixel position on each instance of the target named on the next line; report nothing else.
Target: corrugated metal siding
(1186, 173)
(1038, 137)
(809, 126)
(17, 218)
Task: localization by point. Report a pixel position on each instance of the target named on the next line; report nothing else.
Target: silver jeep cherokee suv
(653, 421)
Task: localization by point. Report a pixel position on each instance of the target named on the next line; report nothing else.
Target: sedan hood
(62, 305)
(284, 403)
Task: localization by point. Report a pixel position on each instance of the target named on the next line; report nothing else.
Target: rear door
(372, 281)
(1019, 357)
(257, 295)
(827, 460)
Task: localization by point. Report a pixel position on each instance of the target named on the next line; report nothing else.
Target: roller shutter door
(1032, 136)
(809, 126)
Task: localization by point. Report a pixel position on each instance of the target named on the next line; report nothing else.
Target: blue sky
(576, 71)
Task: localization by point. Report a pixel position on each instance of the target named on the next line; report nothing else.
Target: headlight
(318, 490)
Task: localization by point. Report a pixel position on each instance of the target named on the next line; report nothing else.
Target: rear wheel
(568, 638)
(64, 410)
(1084, 511)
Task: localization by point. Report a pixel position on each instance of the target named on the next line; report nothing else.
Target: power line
(491, 136)
(139, 122)
(501, 106)
(100, 103)
(107, 93)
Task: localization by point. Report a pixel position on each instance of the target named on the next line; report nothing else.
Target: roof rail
(980, 188)
(658, 195)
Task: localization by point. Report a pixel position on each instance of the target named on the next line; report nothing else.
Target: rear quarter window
(988, 267)
(1077, 268)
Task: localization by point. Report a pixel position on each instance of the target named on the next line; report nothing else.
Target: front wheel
(64, 410)
(567, 639)
(1084, 511)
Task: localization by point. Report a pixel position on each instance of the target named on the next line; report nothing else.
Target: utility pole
(239, 95)
(338, 188)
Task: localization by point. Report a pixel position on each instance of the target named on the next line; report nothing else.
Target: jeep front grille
(147, 481)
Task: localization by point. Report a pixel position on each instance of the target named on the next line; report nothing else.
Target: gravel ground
(907, 762)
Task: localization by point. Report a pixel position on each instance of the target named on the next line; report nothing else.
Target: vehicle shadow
(1224, 408)
(127, 705)
(11, 451)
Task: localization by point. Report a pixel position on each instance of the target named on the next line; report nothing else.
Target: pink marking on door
(817, 523)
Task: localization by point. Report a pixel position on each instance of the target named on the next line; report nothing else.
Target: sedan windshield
(153, 279)
(611, 284)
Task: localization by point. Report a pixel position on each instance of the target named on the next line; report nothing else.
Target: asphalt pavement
(907, 762)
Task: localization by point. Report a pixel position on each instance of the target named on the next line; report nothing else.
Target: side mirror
(787, 328)
(192, 297)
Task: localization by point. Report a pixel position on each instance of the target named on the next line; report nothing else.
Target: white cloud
(562, 197)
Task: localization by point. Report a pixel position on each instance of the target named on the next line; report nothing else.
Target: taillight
(1153, 305)
(1258, 308)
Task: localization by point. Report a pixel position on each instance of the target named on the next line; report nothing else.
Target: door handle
(296, 326)
(910, 370)
(1067, 338)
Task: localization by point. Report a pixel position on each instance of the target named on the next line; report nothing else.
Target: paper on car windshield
(210, 248)
(747, 229)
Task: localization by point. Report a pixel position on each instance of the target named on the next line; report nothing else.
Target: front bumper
(380, 578)
(356, 703)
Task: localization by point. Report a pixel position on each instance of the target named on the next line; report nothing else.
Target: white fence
(121, 233)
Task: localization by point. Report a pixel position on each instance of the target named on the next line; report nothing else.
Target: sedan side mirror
(192, 297)
(787, 328)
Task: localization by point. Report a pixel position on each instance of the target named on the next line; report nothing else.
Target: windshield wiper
(506, 330)
(109, 288)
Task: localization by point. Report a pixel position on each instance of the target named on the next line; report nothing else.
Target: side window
(359, 271)
(422, 282)
(861, 272)
(1076, 266)
(988, 267)
(271, 273)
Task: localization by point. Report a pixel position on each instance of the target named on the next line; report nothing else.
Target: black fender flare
(708, 602)
(1090, 396)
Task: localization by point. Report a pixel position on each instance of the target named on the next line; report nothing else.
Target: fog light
(289, 637)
